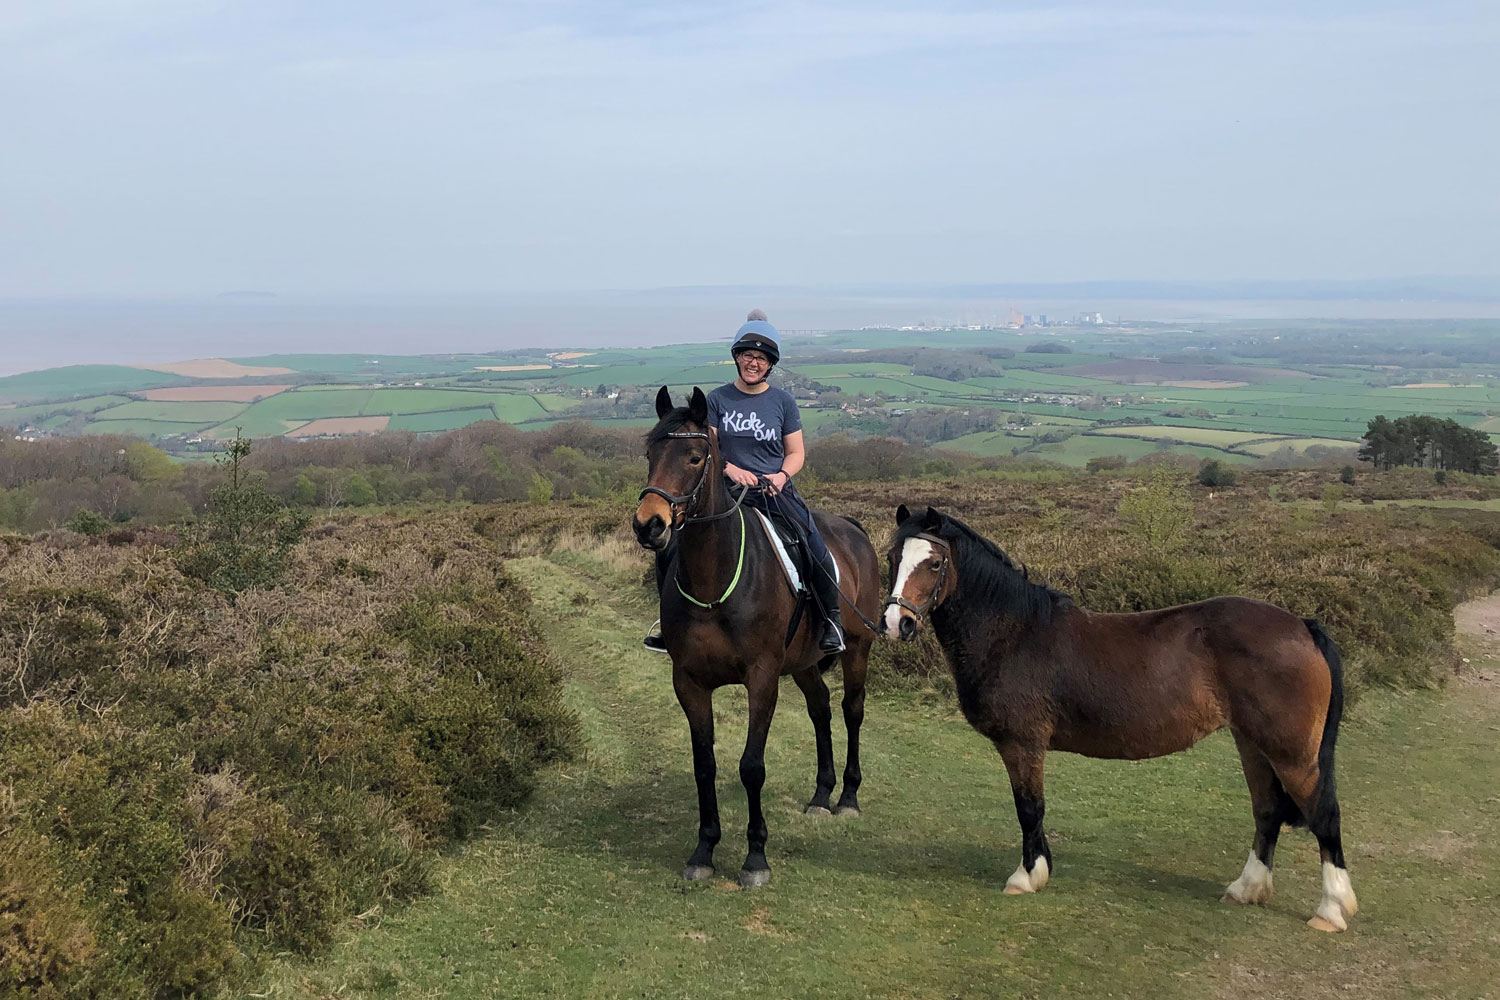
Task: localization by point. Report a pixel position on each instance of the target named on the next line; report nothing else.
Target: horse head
(921, 570)
(680, 456)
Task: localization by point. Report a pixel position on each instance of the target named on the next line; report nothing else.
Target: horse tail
(1325, 804)
(861, 527)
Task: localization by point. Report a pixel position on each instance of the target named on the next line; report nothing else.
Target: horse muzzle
(654, 534)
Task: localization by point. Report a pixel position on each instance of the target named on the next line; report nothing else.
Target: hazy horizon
(109, 330)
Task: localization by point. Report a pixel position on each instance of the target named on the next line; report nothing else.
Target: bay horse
(1036, 672)
(726, 608)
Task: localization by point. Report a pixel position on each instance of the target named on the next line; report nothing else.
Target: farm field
(1299, 407)
(1190, 435)
(579, 895)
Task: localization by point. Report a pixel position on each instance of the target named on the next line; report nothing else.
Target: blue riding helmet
(757, 335)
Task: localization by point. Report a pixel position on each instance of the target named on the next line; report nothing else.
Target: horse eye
(696, 460)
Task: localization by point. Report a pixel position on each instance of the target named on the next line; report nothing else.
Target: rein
(937, 588)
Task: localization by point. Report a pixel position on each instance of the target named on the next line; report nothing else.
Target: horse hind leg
(1272, 807)
(816, 693)
(1318, 803)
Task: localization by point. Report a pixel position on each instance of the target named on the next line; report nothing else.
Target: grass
(202, 414)
(579, 896)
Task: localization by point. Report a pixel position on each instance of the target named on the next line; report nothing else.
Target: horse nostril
(907, 628)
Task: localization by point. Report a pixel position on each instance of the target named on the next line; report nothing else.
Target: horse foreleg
(856, 661)
(816, 693)
(763, 688)
(1024, 764)
(697, 705)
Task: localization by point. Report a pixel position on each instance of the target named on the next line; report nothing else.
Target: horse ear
(698, 406)
(932, 520)
(663, 403)
(901, 515)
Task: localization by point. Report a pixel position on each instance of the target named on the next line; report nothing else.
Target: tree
(1427, 442)
(1162, 510)
(1346, 475)
(245, 535)
(541, 489)
(304, 490)
(360, 492)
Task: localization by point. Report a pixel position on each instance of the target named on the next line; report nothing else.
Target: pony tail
(1325, 803)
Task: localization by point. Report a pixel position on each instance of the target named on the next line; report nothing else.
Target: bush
(86, 522)
(156, 743)
(1216, 474)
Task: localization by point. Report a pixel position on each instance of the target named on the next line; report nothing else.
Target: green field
(203, 414)
(442, 420)
(579, 896)
(1300, 444)
(81, 380)
(1188, 435)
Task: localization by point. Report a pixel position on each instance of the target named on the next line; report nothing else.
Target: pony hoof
(851, 811)
(817, 811)
(1327, 926)
(697, 873)
(753, 879)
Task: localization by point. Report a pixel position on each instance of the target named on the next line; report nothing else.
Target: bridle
(937, 588)
(689, 500)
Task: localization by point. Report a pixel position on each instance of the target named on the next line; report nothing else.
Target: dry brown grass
(340, 425)
(215, 368)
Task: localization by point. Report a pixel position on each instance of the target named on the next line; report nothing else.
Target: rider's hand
(775, 485)
(739, 476)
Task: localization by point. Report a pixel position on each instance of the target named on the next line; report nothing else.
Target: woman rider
(759, 433)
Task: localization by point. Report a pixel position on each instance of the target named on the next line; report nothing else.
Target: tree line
(1428, 443)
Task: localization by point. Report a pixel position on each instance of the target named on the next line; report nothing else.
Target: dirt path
(1477, 623)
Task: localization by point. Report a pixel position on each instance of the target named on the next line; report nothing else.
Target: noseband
(937, 588)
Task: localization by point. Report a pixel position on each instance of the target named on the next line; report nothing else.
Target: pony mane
(990, 577)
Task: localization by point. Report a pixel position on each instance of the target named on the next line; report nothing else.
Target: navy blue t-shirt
(753, 428)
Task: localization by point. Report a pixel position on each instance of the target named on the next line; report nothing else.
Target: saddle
(790, 544)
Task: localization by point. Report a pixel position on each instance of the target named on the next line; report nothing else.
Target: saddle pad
(788, 565)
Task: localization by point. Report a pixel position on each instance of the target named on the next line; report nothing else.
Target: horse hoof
(752, 879)
(817, 811)
(851, 811)
(1327, 926)
(697, 873)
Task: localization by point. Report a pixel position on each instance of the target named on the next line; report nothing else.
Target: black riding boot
(654, 640)
(826, 592)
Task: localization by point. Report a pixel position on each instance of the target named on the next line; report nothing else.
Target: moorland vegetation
(198, 769)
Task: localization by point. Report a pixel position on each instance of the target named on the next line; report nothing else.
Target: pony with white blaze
(1036, 672)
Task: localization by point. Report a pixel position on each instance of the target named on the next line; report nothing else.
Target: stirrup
(654, 640)
(839, 628)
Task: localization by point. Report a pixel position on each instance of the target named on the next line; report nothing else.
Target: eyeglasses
(759, 359)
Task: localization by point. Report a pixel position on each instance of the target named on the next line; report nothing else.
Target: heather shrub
(194, 780)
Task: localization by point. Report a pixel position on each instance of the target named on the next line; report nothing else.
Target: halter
(937, 587)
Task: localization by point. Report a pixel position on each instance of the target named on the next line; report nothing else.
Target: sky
(161, 148)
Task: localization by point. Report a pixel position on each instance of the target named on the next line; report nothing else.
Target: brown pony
(1035, 672)
(726, 608)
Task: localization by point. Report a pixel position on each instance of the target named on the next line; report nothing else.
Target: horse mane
(992, 578)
